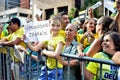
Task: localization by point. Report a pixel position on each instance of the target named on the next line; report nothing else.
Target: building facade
(9, 4)
(25, 4)
(2, 5)
(50, 7)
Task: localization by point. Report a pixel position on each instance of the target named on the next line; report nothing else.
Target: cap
(15, 20)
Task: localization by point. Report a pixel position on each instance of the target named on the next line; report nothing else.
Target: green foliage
(89, 3)
(71, 13)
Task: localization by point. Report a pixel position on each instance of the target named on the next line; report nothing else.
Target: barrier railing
(85, 58)
(27, 73)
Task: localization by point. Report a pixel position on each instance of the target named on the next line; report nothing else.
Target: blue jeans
(49, 74)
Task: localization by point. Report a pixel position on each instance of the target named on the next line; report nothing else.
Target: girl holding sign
(54, 49)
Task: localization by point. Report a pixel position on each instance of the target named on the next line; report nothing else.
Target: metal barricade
(27, 73)
(85, 58)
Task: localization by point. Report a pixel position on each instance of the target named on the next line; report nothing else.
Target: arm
(35, 47)
(26, 51)
(11, 43)
(94, 48)
(55, 53)
(80, 48)
(117, 17)
(88, 75)
(116, 57)
(65, 63)
(90, 13)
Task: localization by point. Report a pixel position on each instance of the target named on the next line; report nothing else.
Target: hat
(14, 20)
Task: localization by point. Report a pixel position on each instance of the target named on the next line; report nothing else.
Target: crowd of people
(97, 38)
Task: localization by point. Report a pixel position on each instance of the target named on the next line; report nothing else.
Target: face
(117, 2)
(70, 31)
(55, 26)
(80, 26)
(65, 20)
(12, 26)
(90, 25)
(108, 45)
(9, 30)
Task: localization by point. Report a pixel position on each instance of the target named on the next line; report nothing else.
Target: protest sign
(37, 31)
(19, 54)
(99, 3)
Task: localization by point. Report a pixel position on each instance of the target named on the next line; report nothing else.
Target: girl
(54, 49)
(88, 35)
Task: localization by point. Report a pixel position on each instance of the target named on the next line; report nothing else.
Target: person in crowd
(116, 57)
(104, 24)
(54, 49)
(89, 33)
(110, 46)
(38, 17)
(80, 26)
(65, 19)
(29, 19)
(117, 16)
(14, 39)
(70, 48)
(34, 54)
(5, 31)
(1, 27)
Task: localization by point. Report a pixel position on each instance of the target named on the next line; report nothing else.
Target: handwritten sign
(37, 31)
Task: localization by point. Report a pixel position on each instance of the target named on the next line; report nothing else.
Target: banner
(37, 31)
(109, 4)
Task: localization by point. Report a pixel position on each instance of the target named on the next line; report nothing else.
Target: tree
(71, 14)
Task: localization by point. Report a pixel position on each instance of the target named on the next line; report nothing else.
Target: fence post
(0, 66)
(83, 66)
(8, 59)
(100, 71)
(68, 73)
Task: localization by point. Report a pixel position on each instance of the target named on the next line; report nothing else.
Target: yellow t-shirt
(17, 34)
(85, 43)
(4, 49)
(62, 32)
(2, 35)
(52, 44)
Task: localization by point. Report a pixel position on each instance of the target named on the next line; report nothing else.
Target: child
(54, 46)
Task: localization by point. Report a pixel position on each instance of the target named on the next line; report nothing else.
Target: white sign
(109, 4)
(97, 5)
(19, 54)
(37, 31)
(36, 12)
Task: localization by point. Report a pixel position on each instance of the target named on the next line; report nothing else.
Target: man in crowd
(15, 38)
